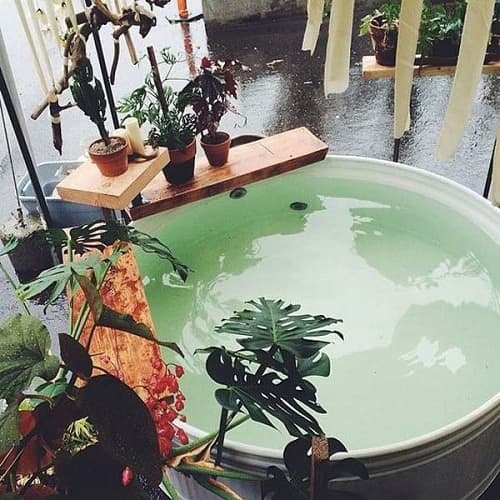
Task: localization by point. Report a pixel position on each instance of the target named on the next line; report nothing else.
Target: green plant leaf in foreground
(104, 316)
(9, 428)
(24, 355)
(270, 323)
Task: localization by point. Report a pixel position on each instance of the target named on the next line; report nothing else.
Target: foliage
(389, 14)
(89, 97)
(211, 92)
(171, 125)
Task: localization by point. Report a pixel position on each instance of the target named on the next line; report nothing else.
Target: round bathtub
(408, 260)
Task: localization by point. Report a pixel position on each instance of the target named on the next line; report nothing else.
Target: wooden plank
(247, 163)
(87, 185)
(370, 69)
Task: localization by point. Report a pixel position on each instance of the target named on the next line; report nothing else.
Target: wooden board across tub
(247, 163)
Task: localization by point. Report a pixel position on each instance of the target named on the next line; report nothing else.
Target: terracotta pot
(216, 150)
(180, 168)
(113, 162)
(384, 42)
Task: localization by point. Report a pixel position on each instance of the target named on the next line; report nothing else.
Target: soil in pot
(180, 168)
(384, 42)
(216, 148)
(111, 159)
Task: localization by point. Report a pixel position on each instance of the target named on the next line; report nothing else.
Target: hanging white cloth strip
(468, 73)
(495, 179)
(338, 49)
(314, 18)
(409, 24)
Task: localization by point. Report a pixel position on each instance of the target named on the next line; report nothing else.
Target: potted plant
(158, 104)
(108, 153)
(440, 32)
(382, 26)
(211, 92)
(74, 429)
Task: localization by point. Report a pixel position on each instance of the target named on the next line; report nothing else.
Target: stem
(13, 285)
(165, 481)
(157, 80)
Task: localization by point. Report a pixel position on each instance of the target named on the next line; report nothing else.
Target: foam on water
(415, 283)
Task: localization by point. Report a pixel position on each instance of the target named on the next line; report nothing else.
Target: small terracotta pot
(113, 162)
(180, 168)
(216, 150)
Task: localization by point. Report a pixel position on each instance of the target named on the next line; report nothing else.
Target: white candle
(39, 39)
(338, 49)
(121, 132)
(314, 18)
(409, 23)
(38, 68)
(134, 135)
(475, 37)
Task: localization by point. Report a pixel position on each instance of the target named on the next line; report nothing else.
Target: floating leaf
(24, 355)
(75, 356)
(124, 425)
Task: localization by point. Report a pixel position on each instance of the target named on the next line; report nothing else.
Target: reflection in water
(416, 286)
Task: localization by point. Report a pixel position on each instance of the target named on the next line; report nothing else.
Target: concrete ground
(282, 91)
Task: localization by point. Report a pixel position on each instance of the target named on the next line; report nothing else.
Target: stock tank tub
(408, 260)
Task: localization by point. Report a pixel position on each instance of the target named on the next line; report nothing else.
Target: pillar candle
(27, 32)
(134, 135)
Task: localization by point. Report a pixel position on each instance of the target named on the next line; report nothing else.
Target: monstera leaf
(288, 401)
(24, 355)
(271, 323)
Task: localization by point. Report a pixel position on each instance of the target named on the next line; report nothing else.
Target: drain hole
(298, 205)
(237, 193)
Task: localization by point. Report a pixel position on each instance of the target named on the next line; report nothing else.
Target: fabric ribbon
(314, 18)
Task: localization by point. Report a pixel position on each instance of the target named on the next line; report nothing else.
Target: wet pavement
(283, 90)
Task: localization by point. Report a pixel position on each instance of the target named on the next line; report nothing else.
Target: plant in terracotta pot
(159, 105)
(382, 26)
(108, 153)
(211, 92)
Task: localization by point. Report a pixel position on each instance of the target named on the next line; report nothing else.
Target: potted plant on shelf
(76, 427)
(158, 104)
(382, 26)
(109, 153)
(211, 92)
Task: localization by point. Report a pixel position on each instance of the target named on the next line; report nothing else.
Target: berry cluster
(165, 402)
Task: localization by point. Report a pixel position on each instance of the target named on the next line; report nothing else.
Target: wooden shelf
(370, 69)
(87, 185)
(247, 163)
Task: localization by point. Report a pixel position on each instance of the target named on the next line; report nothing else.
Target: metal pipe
(14, 110)
(489, 175)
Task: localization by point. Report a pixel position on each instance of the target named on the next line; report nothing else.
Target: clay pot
(111, 160)
(216, 149)
(180, 168)
(384, 42)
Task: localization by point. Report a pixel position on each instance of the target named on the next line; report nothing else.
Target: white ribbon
(314, 18)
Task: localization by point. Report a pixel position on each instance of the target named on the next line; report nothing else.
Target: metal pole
(395, 153)
(17, 125)
(104, 71)
(489, 176)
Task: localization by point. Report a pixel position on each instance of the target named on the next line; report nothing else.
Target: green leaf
(288, 401)
(124, 425)
(24, 355)
(9, 428)
(318, 365)
(104, 316)
(271, 323)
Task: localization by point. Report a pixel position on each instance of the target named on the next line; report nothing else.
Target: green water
(415, 284)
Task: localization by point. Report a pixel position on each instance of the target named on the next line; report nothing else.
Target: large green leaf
(271, 323)
(9, 428)
(104, 316)
(286, 400)
(24, 355)
(124, 425)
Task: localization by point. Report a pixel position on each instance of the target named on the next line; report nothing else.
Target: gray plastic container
(63, 213)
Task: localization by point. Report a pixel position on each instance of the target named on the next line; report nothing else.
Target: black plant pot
(180, 168)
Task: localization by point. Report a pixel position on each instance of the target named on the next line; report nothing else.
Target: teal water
(415, 283)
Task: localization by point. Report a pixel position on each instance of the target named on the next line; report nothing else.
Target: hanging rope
(19, 210)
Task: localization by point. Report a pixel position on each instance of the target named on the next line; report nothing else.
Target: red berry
(156, 363)
(182, 436)
(179, 405)
(127, 476)
(179, 371)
